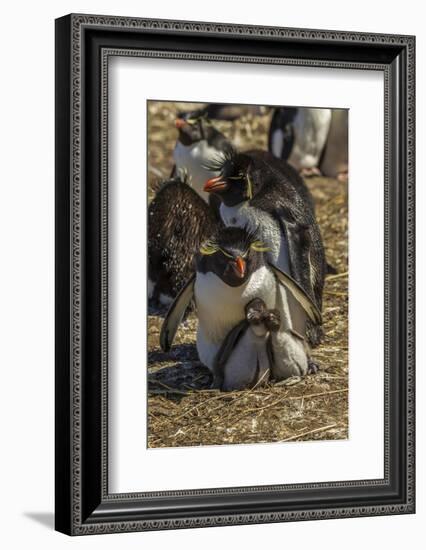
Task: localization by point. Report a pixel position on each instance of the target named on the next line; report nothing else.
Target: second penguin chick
(245, 358)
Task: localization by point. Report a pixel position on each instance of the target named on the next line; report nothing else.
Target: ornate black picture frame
(83, 45)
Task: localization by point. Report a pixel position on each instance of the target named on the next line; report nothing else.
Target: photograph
(247, 273)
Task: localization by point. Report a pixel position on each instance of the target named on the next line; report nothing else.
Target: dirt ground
(182, 410)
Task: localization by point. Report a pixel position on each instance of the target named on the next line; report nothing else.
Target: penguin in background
(266, 195)
(179, 220)
(299, 135)
(334, 161)
(197, 143)
(281, 132)
(246, 357)
(232, 271)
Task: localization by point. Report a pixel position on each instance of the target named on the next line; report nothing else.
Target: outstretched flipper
(175, 314)
(298, 294)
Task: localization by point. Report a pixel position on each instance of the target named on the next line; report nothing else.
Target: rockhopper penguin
(281, 132)
(334, 161)
(299, 135)
(198, 142)
(178, 222)
(267, 195)
(231, 271)
(246, 358)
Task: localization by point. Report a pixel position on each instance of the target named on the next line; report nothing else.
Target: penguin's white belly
(248, 362)
(277, 142)
(311, 127)
(191, 159)
(220, 307)
(267, 229)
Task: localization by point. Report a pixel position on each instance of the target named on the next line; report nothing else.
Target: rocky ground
(182, 410)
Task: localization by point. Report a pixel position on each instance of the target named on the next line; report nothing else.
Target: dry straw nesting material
(182, 411)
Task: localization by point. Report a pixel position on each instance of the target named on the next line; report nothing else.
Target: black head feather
(229, 247)
(235, 183)
(223, 162)
(238, 238)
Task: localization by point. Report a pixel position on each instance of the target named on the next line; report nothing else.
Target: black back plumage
(179, 220)
(283, 194)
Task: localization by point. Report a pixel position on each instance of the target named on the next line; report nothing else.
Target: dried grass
(182, 411)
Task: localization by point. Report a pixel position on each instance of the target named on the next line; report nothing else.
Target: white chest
(311, 128)
(191, 159)
(220, 307)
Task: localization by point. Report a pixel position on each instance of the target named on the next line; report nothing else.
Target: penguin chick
(178, 222)
(198, 141)
(265, 194)
(245, 358)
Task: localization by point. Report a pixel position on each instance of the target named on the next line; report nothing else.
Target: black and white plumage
(232, 271)
(246, 357)
(334, 161)
(299, 136)
(197, 143)
(267, 195)
(281, 132)
(178, 222)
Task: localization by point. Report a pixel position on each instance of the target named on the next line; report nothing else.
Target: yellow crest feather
(208, 248)
(249, 187)
(259, 246)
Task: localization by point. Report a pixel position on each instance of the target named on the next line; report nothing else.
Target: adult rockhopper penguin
(198, 142)
(178, 222)
(299, 135)
(232, 271)
(267, 195)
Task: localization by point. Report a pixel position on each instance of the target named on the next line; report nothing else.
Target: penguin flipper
(175, 314)
(298, 294)
(228, 345)
(270, 352)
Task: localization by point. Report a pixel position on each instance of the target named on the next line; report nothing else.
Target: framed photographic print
(234, 274)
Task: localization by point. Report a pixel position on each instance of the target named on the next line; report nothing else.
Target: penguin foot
(313, 367)
(310, 172)
(256, 314)
(343, 177)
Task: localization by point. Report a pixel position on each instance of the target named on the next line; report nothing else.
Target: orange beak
(215, 184)
(239, 267)
(180, 123)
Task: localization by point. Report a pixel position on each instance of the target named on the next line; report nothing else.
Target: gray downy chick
(245, 358)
